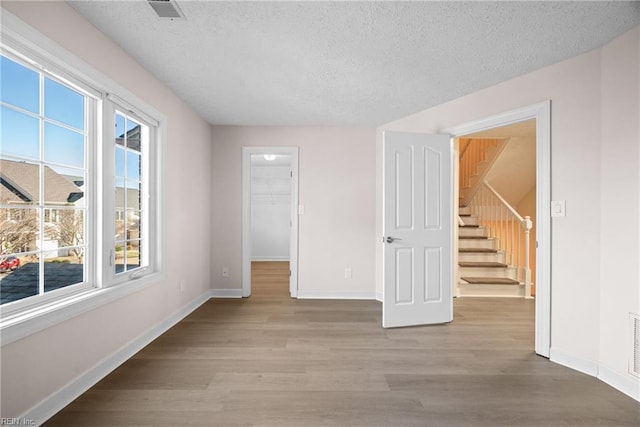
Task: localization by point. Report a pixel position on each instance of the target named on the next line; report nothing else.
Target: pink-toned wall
(336, 187)
(595, 163)
(37, 366)
(620, 203)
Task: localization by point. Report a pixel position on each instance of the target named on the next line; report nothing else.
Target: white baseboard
(379, 296)
(226, 293)
(627, 384)
(588, 367)
(335, 295)
(53, 403)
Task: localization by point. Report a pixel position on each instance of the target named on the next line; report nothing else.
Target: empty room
(319, 213)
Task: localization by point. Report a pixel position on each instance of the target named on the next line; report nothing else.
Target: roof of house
(20, 184)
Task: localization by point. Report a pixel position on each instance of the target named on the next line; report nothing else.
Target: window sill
(41, 317)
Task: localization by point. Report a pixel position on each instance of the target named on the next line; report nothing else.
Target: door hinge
(289, 273)
(291, 174)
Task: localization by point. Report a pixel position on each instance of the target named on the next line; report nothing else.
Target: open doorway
(497, 202)
(540, 114)
(270, 242)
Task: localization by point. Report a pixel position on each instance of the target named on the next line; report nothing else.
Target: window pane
(66, 227)
(63, 186)
(120, 194)
(127, 256)
(119, 129)
(18, 230)
(133, 165)
(133, 224)
(20, 183)
(20, 134)
(19, 277)
(20, 85)
(133, 195)
(63, 267)
(120, 225)
(63, 104)
(63, 146)
(133, 254)
(119, 161)
(133, 135)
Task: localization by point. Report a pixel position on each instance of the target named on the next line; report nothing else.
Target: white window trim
(17, 324)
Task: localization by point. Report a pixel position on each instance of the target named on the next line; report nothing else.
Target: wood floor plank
(275, 361)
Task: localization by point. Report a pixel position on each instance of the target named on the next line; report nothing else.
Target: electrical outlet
(225, 271)
(347, 273)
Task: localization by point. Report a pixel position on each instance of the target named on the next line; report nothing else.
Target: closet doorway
(270, 238)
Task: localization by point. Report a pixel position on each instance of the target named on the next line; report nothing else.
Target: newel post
(527, 224)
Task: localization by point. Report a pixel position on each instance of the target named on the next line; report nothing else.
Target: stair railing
(508, 227)
(472, 154)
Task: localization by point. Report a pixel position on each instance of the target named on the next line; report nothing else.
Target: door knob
(390, 239)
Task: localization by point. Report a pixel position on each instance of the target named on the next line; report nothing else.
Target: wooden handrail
(503, 201)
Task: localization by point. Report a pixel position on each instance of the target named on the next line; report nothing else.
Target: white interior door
(418, 229)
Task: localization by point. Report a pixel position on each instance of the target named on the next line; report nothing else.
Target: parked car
(9, 263)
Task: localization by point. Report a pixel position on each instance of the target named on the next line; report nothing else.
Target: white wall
(37, 366)
(594, 131)
(513, 173)
(620, 207)
(270, 210)
(336, 187)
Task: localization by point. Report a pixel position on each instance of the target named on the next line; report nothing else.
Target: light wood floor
(274, 361)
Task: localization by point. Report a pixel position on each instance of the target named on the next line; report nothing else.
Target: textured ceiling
(348, 63)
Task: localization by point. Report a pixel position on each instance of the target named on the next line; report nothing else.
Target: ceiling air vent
(166, 9)
(634, 362)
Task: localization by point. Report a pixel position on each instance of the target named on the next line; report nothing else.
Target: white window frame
(149, 194)
(25, 317)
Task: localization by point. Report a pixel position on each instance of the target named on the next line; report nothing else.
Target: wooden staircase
(482, 268)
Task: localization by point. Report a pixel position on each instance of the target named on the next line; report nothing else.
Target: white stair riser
(477, 243)
(470, 220)
(482, 257)
(507, 291)
(509, 272)
(472, 231)
(464, 210)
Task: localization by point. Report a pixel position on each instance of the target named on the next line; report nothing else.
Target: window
(43, 156)
(131, 193)
(79, 184)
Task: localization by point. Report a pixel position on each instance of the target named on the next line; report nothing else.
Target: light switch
(300, 209)
(558, 208)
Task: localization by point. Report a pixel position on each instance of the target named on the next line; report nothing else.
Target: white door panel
(418, 229)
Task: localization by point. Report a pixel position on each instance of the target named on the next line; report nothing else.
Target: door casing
(541, 112)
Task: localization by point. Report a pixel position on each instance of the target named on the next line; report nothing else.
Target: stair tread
(469, 226)
(490, 281)
(482, 264)
(478, 250)
(473, 237)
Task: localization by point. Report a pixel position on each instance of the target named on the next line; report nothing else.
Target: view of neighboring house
(26, 236)
(20, 189)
